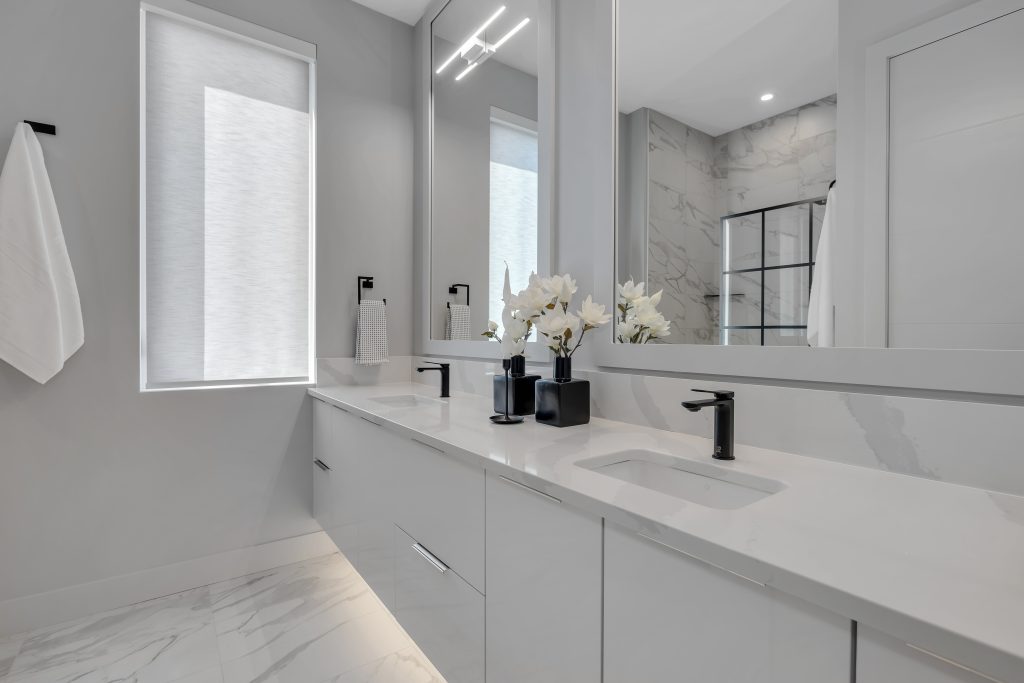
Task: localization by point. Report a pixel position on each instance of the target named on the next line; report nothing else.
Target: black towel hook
(364, 282)
(43, 128)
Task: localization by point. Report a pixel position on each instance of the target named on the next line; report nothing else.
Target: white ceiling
(408, 11)
(707, 62)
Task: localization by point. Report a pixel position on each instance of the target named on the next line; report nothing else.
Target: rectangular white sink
(406, 401)
(702, 483)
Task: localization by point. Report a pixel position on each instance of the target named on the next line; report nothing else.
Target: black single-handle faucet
(723, 403)
(444, 368)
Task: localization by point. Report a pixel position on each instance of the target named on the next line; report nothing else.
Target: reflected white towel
(372, 333)
(40, 313)
(821, 325)
(457, 323)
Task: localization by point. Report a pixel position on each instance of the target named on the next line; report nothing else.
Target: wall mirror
(726, 151)
(488, 174)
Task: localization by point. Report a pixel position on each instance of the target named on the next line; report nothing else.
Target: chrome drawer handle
(430, 557)
(529, 488)
(322, 465)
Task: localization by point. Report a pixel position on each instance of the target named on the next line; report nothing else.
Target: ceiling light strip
(469, 40)
(511, 33)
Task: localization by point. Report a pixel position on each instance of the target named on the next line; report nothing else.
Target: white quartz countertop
(938, 565)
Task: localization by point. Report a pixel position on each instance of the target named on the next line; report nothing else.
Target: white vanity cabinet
(670, 617)
(442, 613)
(543, 588)
(334, 476)
(883, 659)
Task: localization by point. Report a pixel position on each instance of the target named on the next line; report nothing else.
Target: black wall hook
(43, 128)
(364, 282)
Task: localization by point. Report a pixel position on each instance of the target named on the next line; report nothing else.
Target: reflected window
(513, 205)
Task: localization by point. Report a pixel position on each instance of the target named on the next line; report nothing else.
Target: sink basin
(702, 483)
(406, 401)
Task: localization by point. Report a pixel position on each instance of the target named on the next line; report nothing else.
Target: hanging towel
(372, 333)
(40, 313)
(821, 326)
(457, 324)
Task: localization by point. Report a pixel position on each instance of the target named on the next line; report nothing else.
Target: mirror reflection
(485, 170)
(726, 135)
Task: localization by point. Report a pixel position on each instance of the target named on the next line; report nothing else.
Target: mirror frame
(546, 191)
(995, 374)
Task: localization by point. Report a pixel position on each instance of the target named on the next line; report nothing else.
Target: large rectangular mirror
(486, 177)
(726, 148)
(727, 138)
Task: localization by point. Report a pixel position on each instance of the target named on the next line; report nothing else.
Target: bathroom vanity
(509, 555)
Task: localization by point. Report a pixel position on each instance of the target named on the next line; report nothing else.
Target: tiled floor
(313, 622)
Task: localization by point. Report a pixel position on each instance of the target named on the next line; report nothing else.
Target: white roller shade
(227, 208)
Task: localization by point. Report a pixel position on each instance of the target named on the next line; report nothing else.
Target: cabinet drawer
(440, 502)
(443, 614)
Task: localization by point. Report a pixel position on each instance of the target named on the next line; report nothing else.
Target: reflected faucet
(444, 369)
(723, 404)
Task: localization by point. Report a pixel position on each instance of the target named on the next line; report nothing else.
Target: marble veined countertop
(940, 566)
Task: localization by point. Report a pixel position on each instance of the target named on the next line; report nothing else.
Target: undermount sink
(702, 483)
(406, 401)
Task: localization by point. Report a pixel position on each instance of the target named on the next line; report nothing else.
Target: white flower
(560, 286)
(531, 301)
(516, 329)
(492, 326)
(660, 328)
(593, 314)
(512, 347)
(646, 311)
(626, 329)
(630, 291)
(564, 325)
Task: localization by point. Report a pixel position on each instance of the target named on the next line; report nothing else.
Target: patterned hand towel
(372, 333)
(457, 323)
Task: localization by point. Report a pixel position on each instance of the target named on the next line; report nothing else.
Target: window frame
(211, 20)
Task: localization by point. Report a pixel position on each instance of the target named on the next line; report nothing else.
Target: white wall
(861, 24)
(97, 480)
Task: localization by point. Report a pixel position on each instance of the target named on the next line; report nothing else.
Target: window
(227, 201)
(513, 213)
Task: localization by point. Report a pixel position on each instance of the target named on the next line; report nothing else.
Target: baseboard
(44, 609)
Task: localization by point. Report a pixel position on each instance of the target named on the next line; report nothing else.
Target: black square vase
(521, 393)
(561, 400)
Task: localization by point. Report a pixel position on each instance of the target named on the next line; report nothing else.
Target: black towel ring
(364, 282)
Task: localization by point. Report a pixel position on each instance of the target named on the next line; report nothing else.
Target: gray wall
(97, 480)
(460, 239)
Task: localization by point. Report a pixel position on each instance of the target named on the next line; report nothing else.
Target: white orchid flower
(561, 287)
(492, 326)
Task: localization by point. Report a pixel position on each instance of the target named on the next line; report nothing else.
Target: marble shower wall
(692, 180)
(974, 444)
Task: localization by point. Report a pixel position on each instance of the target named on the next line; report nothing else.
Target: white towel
(372, 333)
(821, 325)
(40, 313)
(457, 323)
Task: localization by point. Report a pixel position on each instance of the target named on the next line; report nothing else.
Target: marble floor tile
(321, 651)
(159, 641)
(213, 675)
(8, 649)
(406, 666)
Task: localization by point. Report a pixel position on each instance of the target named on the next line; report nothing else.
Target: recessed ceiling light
(767, 97)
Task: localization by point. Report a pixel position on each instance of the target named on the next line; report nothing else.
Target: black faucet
(723, 403)
(443, 367)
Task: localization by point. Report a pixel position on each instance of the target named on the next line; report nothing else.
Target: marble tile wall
(973, 444)
(683, 233)
(693, 180)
